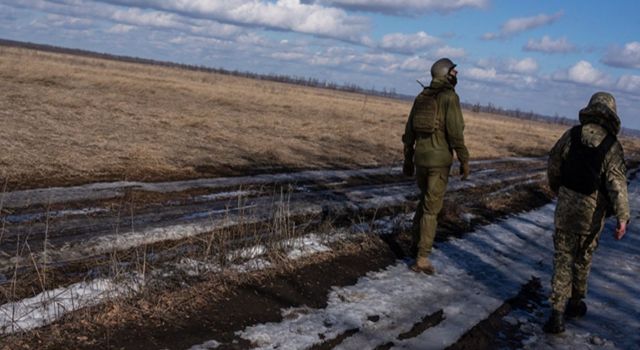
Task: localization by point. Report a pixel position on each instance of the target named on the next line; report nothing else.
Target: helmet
(601, 110)
(605, 99)
(441, 68)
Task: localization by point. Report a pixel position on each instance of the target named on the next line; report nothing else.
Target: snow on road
(475, 276)
(50, 305)
(104, 190)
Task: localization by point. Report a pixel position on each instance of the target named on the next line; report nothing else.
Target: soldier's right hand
(464, 170)
(408, 168)
(621, 229)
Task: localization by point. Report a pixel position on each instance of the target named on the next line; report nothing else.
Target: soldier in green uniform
(587, 171)
(433, 132)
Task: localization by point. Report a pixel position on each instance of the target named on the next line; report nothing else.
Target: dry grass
(68, 119)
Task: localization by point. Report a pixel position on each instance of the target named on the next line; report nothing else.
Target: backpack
(582, 170)
(425, 112)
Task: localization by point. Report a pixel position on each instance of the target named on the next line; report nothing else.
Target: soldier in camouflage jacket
(587, 171)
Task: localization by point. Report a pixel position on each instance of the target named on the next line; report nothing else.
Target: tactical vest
(425, 114)
(582, 170)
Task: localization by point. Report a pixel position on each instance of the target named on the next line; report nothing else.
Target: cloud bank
(287, 15)
(407, 43)
(517, 25)
(402, 7)
(626, 57)
(549, 45)
(583, 72)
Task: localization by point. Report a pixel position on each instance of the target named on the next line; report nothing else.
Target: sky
(548, 57)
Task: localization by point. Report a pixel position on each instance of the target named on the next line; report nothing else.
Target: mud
(99, 227)
(190, 311)
(494, 332)
(205, 313)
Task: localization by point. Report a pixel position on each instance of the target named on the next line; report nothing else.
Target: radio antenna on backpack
(424, 87)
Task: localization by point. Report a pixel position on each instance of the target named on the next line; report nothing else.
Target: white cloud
(407, 43)
(60, 21)
(629, 83)
(521, 24)
(288, 56)
(490, 36)
(524, 66)
(414, 64)
(163, 20)
(403, 7)
(289, 15)
(626, 57)
(343, 58)
(120, 29)
(451, 52)
(548, 45)
(136, 17)
(196, 41)
(583, 73)
(146, 18)
(483, 73)
(252, 39)
(514, 74)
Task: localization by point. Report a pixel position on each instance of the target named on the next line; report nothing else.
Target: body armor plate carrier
(582, 170)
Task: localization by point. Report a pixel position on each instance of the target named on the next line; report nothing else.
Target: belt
(423, 135)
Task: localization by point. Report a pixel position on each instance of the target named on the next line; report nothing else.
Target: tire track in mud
(93, 226)
(481, 334)
(345, 198)
(96, 229)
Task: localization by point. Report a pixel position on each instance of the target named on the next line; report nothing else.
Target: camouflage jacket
(436, 151)
(579, 213)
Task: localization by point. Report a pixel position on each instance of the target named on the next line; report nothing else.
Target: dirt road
(86, 222)
(87, 232)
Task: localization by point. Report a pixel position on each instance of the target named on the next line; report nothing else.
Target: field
(192, 196)
(72, 120)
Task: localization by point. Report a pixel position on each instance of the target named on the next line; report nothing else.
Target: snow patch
(50, 305)
(475, 276)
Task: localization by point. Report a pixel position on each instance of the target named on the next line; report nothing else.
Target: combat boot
(576, 308)
(555, 323)
(423, 265)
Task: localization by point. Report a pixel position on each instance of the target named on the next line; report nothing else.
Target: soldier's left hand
(621, 229)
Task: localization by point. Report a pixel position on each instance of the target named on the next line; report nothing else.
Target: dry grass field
(70, 120)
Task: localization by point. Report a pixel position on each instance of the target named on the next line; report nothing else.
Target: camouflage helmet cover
(601, 110)
(441, 68)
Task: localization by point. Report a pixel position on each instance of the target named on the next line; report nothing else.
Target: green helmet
(441, 68)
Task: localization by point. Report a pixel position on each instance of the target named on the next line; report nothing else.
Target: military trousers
(571, 265)
(432, 183)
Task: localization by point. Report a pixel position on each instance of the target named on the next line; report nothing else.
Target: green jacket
(436, 151)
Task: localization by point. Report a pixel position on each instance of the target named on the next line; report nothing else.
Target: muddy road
(56, 226)
(85, 232)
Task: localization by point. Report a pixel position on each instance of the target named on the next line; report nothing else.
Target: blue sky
(543, 56)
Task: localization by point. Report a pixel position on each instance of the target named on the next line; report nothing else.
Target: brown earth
(193, 310)
(71, 120)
